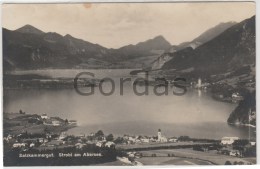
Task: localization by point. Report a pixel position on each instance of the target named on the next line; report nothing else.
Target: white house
(92, 134)
(56, 123)
(9, 137)
(63, 135)
(16, 145)
(72, 122)
(137, 141)
(237, 96)
(131, 139)
(145, 140)
(252, 143)
(79, 145)
(109, 144)
(99, 144)
(131, 154)
(228, 140)
(234, 153)
(44, 116)
(173, 140)
(42, 140)
(32, 145)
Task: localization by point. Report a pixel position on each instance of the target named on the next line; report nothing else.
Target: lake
(194, 114)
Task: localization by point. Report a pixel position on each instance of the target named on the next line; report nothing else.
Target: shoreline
(242, 124)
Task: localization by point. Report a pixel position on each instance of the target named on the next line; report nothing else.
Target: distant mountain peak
(230, 49)
(68, 36)
(29, 29)
(214, 31)
(159, 38)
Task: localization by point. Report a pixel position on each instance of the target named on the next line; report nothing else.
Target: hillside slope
(31, 48)
(231, 49)
(201, 39)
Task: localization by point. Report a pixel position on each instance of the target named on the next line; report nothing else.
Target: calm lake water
(194, 114)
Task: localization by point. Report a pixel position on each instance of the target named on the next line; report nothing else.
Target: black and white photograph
(129, 84)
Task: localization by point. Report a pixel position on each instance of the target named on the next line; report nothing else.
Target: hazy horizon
(115, 25)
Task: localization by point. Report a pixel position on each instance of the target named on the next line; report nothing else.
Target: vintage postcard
(126, 84)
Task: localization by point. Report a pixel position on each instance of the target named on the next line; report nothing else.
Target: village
(40, 133)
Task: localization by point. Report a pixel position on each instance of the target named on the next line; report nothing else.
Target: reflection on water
(199, 92)
(195, 114)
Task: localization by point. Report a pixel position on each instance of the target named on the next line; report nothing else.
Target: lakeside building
(53, 121)
(237, 96)
(228, 140)
(72, 122)
(56, 123)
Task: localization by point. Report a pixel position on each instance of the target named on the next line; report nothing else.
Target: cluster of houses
(228, 148)
(55, 121)
(200, 85)
(160, 138)
(50, 142)
(25, 142)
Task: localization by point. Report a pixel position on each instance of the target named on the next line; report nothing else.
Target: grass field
(171, 161)
(154, 145)
(188, 157)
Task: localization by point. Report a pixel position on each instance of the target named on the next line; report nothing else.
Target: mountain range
(230, 50)
(201, 39)
(206, 36)
(31, 48)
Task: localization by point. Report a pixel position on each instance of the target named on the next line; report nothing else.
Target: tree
(119, 140)
(110, 137)
(240, 143)
(99, 133)
(21, 112)
(184, 138)
(228, 163)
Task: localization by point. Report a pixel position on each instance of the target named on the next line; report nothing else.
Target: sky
(114, 25)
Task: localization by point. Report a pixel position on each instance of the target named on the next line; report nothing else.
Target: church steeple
(159, 134)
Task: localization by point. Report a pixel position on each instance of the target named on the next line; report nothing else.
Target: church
(161, 138)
